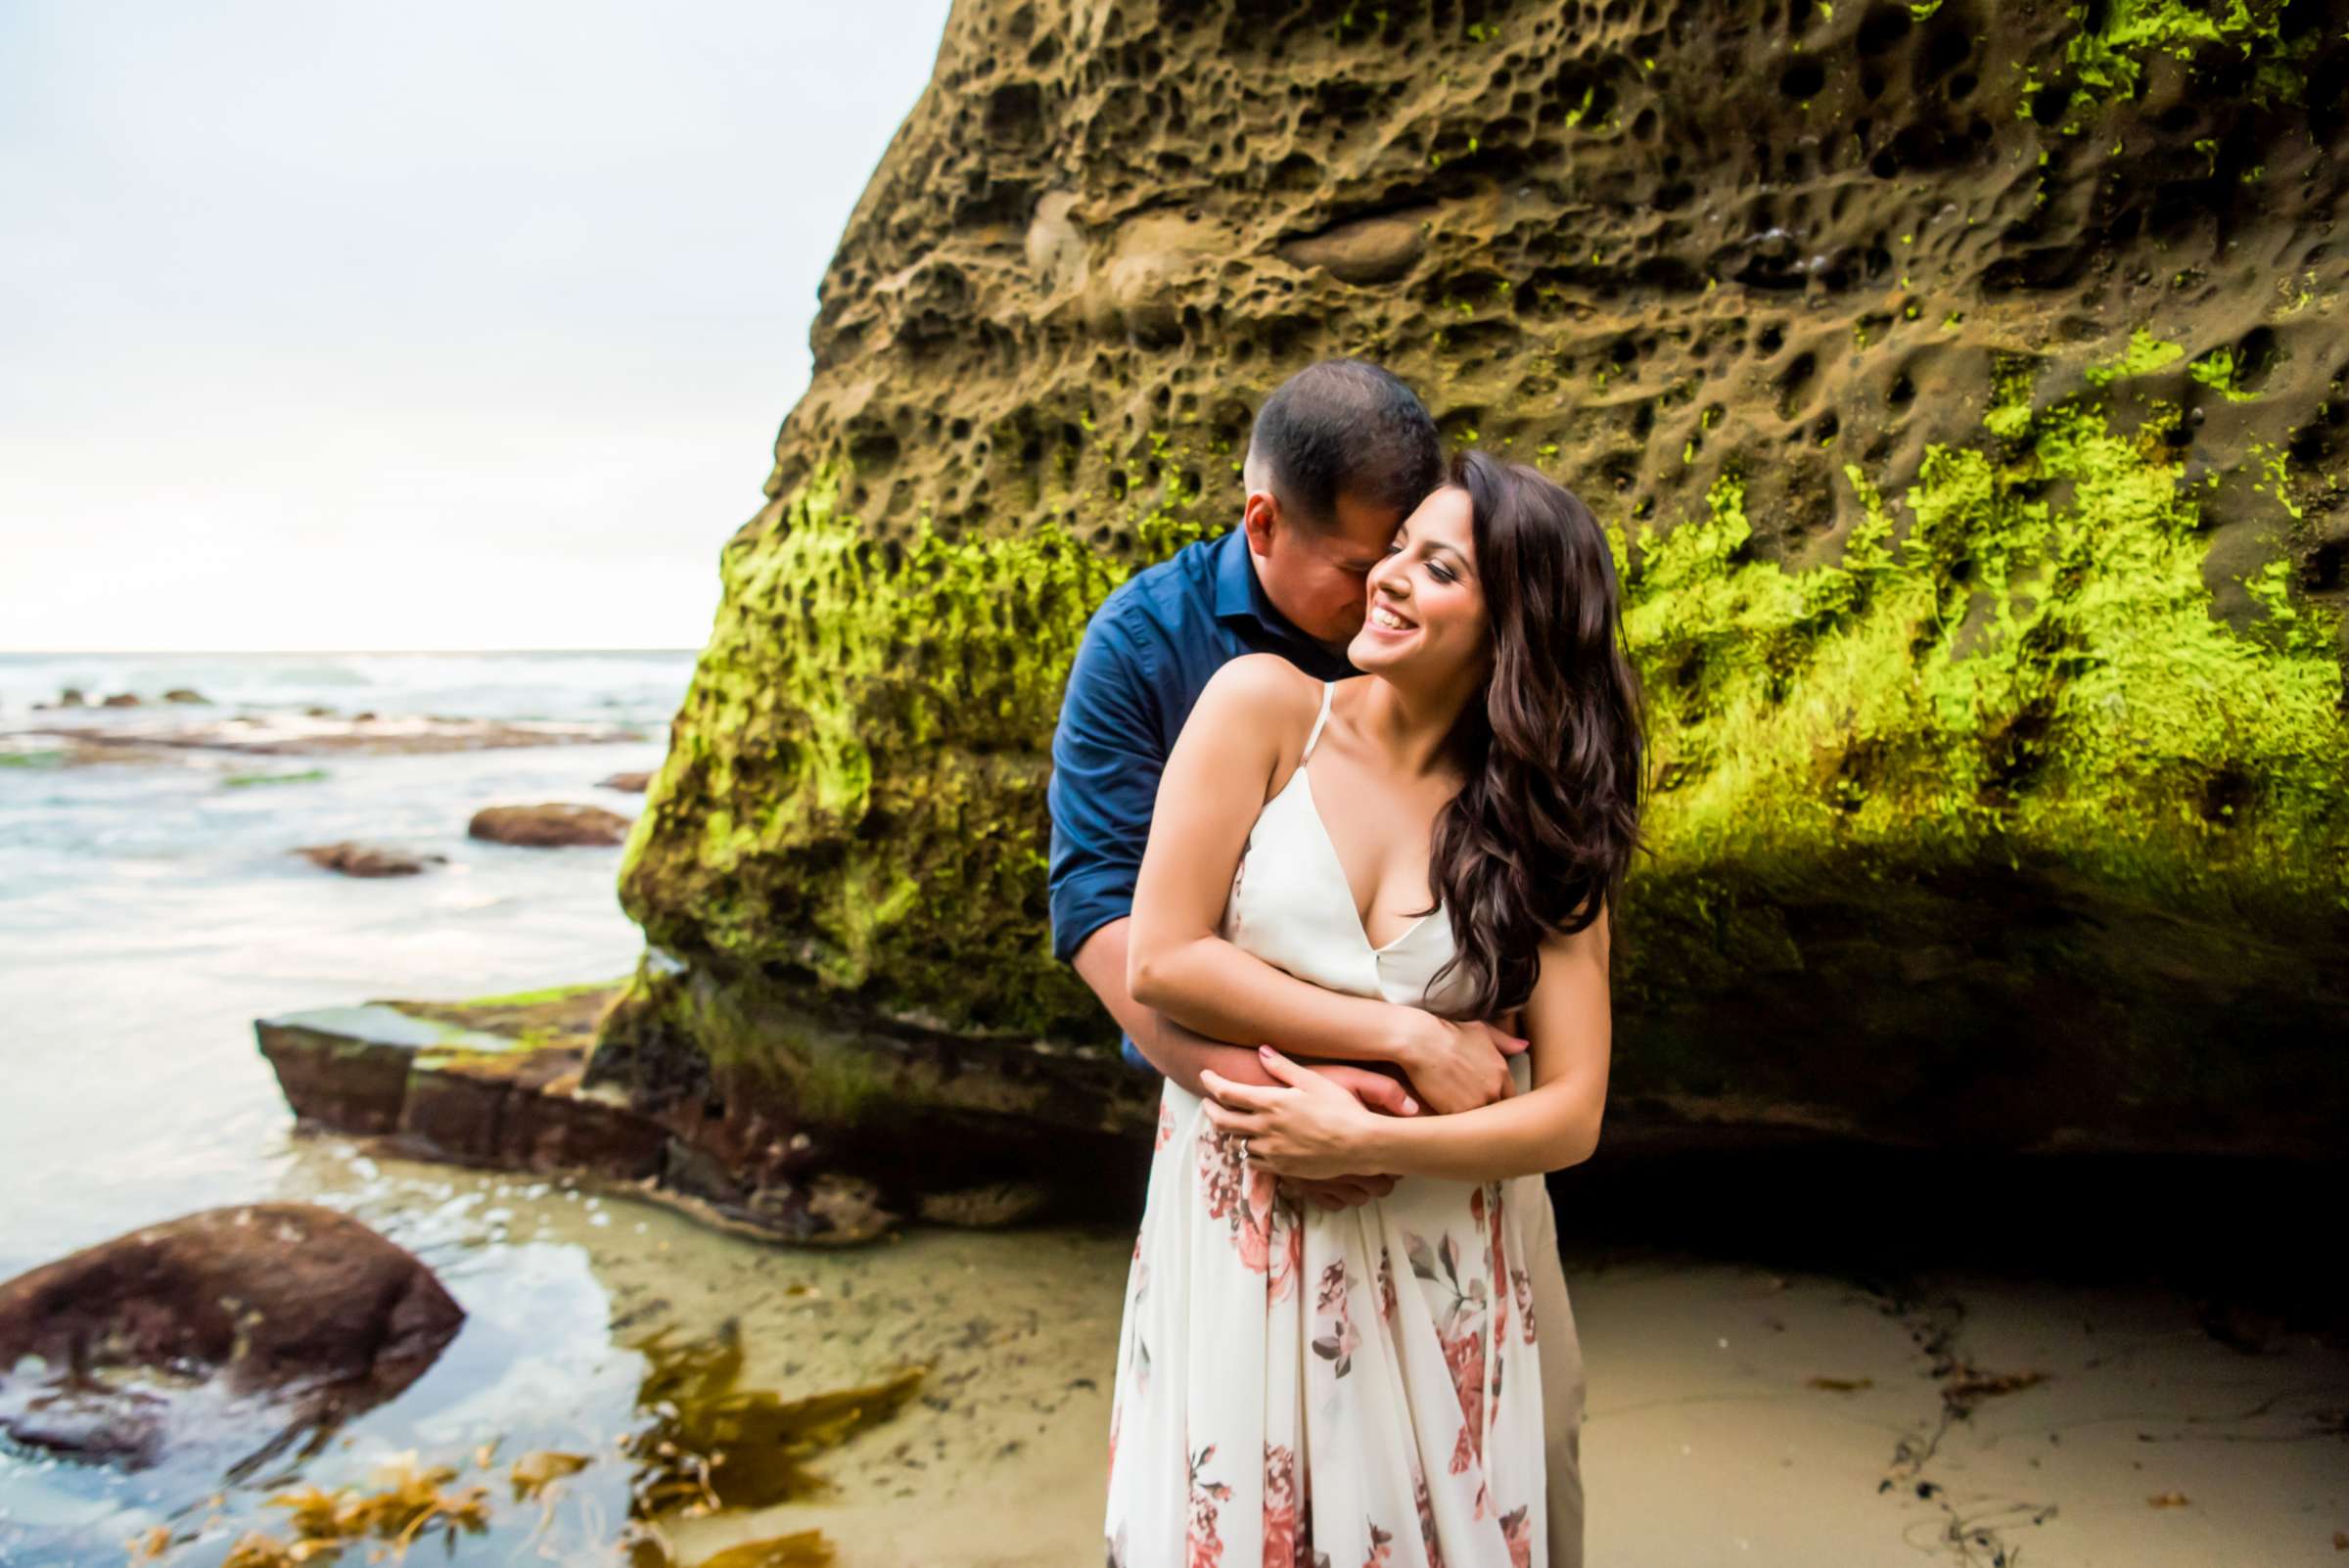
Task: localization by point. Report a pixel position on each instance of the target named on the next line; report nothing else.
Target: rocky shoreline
(159, 736)
(504, 1083)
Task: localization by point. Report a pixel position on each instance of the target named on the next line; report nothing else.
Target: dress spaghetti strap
(1327, 687)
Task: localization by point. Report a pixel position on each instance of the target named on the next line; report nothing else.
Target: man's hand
(1375, 1090)
(1339, 1192)
(1459, 1067)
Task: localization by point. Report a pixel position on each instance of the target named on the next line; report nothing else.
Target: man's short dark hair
(1345, 426)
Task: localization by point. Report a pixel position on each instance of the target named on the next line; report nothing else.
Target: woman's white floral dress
(1298, 1388)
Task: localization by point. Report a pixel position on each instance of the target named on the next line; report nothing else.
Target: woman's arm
(1301, 1129)
(1181, 1053)
(1214, 786)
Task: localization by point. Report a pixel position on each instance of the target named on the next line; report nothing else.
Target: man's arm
(1180, 1053)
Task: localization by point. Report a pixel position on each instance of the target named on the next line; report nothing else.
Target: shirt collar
(1240, 597)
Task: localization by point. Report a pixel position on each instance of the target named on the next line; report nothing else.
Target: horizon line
(144, 653)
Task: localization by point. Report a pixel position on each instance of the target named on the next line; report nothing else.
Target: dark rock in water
(365, 715)
(626, 783)
(72, 697)
(317, 711)
(121, 699)
(185, 694)
(548, 826)
(295, 1312)
(1978, 521)
(355, 859)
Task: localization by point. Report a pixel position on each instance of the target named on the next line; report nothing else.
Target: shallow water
(149, 913)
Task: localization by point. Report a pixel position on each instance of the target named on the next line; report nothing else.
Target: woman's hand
(1310, 1129)
(1457, 1067)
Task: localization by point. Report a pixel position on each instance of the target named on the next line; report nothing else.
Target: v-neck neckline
(1337, 863)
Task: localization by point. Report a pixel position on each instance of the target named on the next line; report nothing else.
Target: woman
(1303, 1387)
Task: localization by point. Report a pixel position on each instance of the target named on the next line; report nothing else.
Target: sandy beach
(1795, 1361)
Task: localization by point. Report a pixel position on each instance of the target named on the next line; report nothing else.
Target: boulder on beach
(1978, 508)
(626, 783)
(123, 1349)
(548, 826)
(497, 1081)
(185, 694)
(355, 859)
(121, 699)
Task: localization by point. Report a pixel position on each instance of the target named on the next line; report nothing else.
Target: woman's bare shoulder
(1260, 689)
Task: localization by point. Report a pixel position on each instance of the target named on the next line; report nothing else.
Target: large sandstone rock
(288, 1308)
(1963, 385)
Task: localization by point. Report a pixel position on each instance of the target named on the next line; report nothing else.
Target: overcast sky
(329, 325)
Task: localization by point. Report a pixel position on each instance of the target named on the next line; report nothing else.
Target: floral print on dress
(1264, 1219)
(1204, 1548)
(1427, 1516)
(1288, 1530)
(1484, 1206)
(1415, 1293)
(1338, 1345)
(1517, 1528)
(1460, 1330)
(1166, 1126)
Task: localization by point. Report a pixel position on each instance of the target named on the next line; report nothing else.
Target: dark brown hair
(1345, 426)
(1540, 834)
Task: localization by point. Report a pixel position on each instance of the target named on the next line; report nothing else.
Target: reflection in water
(712, 1445)
(691, 1442)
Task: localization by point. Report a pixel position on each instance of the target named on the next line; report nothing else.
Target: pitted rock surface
(1963, 385)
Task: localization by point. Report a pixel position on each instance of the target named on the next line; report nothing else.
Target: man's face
(1318, 580)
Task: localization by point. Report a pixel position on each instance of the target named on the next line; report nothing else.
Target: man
(1339, 455)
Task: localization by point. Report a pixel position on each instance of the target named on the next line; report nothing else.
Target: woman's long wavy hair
(1539, 836)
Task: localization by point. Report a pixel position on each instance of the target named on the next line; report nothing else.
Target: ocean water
(149, 911)
(628, 686)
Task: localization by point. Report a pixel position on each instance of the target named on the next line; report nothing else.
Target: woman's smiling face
(1425, 606)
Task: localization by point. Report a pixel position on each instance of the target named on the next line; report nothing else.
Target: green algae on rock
(1963, 385)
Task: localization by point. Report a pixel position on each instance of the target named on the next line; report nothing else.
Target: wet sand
(1706, 1440)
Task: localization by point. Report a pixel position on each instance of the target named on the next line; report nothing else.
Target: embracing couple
(1342, 801)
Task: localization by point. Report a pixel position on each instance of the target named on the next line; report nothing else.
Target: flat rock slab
(496, 1082)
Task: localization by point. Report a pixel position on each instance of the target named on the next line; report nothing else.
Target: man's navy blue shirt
(1147, 654)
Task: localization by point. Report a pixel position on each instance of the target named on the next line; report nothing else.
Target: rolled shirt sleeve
(1107, 755)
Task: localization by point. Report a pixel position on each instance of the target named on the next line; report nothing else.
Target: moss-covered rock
(1963, 385)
